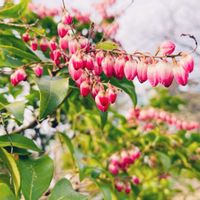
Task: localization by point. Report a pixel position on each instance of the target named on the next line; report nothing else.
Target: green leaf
(63, 191)
(18, 52)
(107, 45)
(14, 11)
(126, 86)
(165, 160)
(52, 93)
(104, 117)
(75, 154)
(36, 176)
(12, 167)
(106, 190)
(6, 193)
(16, 109)
(19, 141)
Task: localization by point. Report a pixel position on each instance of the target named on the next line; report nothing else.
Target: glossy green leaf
(63, 191)
(19, 141)
(16, 109)
(19, 53)
(126, 86)
(36, 176)
(6, 193)
(14, 11)
(12, 167)
(107, 45)
(52, 93)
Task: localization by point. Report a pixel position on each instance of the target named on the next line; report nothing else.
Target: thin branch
(193, 38)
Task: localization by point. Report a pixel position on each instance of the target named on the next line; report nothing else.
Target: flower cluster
(122, 161)
(153, 116)
(86, 63)
(42, 11)
(125, 184)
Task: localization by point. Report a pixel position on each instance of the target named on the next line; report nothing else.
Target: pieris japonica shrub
(58, 89)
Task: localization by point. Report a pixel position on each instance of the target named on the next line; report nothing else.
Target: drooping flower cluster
(86, 63)
(150, 117)
(43, 11)
(121, 161)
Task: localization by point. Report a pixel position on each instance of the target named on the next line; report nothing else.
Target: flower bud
(187, 62)
(77, 61)
(34, 44)
(142, 71)
(44, 44)
(130, 70)
(102, 101)
(52, 45)
(119, 185)
(75, 74)
(113, 169)
(18, 76)
(67, 19)
(63, 42)
(97, 69)
(38, 70)
(26, 37)
(85, 88)
(99, 57)
(119, 67)
(89, 63)
(165, 73)
(152, 75)
(85, 43)
(107, 65)
(73, 46)
(135, 180)
(167, 48)
(62, 30)
(180, 75)
(127, 188)
(112, 94)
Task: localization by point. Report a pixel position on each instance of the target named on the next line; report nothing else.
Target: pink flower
(34, 44)
(187, 62)
(142, 71)
(53, 45)
(119, 67)
(135, 180)
(119, 185)
(26, 37)
(167, 48)
(107, 65)
(113, 169)
(130, 69)
(62, 30)
(18, 76)
(102, 101)
(75, 74)
(63, 42)
(77, 61)
(38, 70)
(165, 73)
(85, 88)
(180, 75)
(152, 75)
(99, 57)
(73, 46)
(112, 95)
(44, 44)
(67, 19)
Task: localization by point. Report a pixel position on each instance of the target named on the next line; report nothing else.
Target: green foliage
(17, 140)
(36, 176)
(63, 190)
(166, 101)
(10, 163)
(52, 93)
(6, 193)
